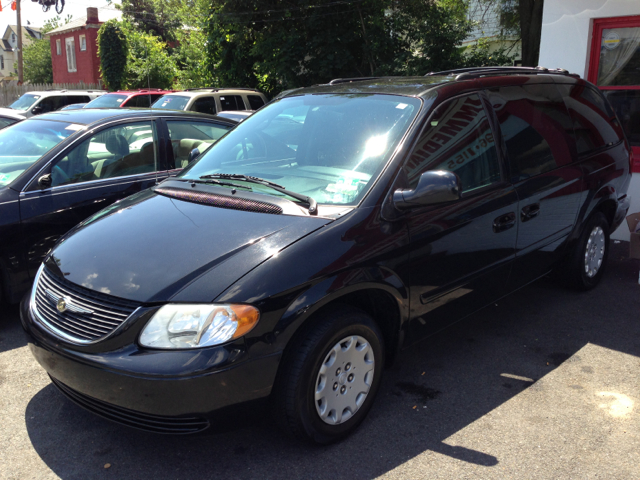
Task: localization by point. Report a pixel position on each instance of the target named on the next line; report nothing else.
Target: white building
(600, 41)
(9, 46)
(486, 16)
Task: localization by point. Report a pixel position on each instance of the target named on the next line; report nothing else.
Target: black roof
(88, 116)
(407, 86)
(420, 86)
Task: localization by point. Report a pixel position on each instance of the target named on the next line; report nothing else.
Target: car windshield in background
(171, 102)
(107, 101)
(329, 147)
(24, 102)
(26, 142)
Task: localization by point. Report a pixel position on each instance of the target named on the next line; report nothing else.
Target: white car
(9, 117)
(212, 100)
(35, 103)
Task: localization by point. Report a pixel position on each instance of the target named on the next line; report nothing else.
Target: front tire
(589, 256)
(330, 377)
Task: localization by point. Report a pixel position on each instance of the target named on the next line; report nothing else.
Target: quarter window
(114, 152)
(458, 138)
(592, 118)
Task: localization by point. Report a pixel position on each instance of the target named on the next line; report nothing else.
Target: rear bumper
(624, 203)
(166, 403)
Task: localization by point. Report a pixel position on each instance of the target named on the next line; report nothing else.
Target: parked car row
(295, 257)
(201, 100)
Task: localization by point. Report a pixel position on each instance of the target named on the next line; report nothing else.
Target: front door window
(115, 152)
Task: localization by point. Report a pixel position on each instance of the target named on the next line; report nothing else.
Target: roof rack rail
(219, 89)
(475, 72)
(337, 81)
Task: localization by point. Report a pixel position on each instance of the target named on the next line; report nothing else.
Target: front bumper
(161, 391)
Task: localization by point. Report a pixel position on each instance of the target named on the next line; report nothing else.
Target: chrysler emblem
(62, 305)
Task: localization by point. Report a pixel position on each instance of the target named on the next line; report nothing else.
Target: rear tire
(589, 255)
(329, 379)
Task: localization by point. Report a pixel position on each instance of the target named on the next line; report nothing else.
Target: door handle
(504, 222)
(529, 212)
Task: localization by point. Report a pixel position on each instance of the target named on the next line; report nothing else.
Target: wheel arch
(387, 305)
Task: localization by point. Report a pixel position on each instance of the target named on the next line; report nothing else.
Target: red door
(614, 66)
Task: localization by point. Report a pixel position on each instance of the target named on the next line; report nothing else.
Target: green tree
(148, 62)
(161, 18)
(38, 67)
(274, 45)
(113, 52)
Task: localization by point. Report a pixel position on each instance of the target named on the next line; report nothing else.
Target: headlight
(194, 326)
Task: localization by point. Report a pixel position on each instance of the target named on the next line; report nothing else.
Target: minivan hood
(151, 248)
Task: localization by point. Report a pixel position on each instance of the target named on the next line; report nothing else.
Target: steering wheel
(58, 176)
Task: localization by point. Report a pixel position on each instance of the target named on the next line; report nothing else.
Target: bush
(113, 51)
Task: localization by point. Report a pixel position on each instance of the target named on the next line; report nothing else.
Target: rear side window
(232, 102)
(255, 101)
(535, 127)
(71, 99)
(188, 134)
(458, 138)
(204, 105)
(593, 118)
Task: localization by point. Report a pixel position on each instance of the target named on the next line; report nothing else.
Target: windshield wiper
(215, 182)
(313, 206)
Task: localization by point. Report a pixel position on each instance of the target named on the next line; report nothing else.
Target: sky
(32, 11)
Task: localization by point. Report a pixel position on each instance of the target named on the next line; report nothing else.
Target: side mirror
(193, 154)
(36, 110)
(44, 181)
(434, 187)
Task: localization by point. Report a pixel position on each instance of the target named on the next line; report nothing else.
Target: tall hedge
(113, 51)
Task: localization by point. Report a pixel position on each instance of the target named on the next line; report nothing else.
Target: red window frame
(599, 24)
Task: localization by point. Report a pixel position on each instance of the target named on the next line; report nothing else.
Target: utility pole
(20, 79)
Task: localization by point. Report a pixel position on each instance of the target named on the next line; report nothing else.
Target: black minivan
(339, 223)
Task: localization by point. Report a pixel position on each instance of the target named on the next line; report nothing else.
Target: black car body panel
(215, 246)
(413, 270)
(33, 218)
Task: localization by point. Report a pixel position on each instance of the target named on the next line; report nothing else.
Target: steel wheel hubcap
(594, 252)
(344, 379)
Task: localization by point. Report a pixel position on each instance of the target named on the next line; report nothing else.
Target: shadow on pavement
(11, 335)
(437, 388)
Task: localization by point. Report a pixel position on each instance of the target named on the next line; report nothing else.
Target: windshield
(171, 102)
(328, 147)
(24, 102)
(24, 143)
(107, 101)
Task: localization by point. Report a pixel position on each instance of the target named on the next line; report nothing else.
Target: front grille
(222, 201)
(88, 316)
(131, 418)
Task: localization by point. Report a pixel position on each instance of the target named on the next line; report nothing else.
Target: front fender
(331, 290)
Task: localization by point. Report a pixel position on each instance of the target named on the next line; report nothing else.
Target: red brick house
(74, 50)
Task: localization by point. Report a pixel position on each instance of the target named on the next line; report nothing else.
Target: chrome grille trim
(87, 317)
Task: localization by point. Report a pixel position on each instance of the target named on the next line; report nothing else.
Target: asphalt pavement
(543, 385)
